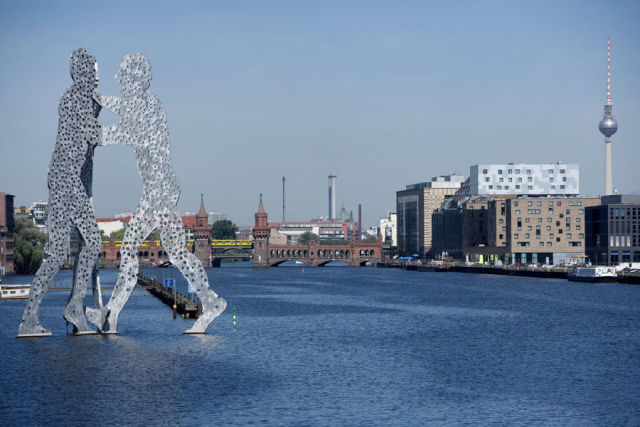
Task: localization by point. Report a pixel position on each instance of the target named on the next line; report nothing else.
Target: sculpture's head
(134, 74)
(84, 69)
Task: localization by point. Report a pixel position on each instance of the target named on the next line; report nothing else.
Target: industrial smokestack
(359, 221)
(332, 196)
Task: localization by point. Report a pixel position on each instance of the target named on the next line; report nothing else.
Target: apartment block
(415, 206)
(613, 230)
(530, 179)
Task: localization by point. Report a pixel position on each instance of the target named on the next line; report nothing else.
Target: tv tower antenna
(608, 126)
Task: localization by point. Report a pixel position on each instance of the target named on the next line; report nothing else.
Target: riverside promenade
(542, 272)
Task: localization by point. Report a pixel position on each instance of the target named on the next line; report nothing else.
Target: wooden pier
(184, 306)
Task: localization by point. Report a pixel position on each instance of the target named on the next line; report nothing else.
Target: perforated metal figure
(69, 205)
(143, 126)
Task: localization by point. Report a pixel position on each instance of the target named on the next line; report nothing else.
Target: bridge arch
(337, 262)
(282, 261)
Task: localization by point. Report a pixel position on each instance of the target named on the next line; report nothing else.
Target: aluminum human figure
(69, 205)
(143, 127)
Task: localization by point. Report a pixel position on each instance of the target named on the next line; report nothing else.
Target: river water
(338, 346)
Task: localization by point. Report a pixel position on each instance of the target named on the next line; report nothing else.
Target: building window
(490, 187)
(577, 227)
(510, 171)
(501, 221)
(517, 187)
(517, 211)
(506, 187)
(562, 171)
(515, 203)
(541, 243)
(562, 187)
(529, 203)
(501, 179)
(548, 243)
(527, 236)
(548, 228)
(580, 211)
(529, 187)
(499, 171)
(484, 171)
(549, 220)
(550, 179)
(499, 187)
(581, 236)
(517, 171)
(515, 236)
(510, 179)
(520, 179)
(529, 179)
(553, 187)
(568, 235)
(551, 235)
(550, 171)
(564, 179)
(486, 179)
(528, 171)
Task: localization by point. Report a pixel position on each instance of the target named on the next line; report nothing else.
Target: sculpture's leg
(55, 253)
(173, 241)
(139, 227)
(88, 229)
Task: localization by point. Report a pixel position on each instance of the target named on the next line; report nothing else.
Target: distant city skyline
(381, 94)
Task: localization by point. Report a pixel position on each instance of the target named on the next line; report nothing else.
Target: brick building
(527, 229)
(152, 253)
(512, 229)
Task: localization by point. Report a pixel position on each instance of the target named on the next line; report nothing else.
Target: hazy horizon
(381, 94)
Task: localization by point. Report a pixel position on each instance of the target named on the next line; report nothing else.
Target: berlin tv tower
(608, 126)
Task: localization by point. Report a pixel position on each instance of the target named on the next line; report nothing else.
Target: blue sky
(383, 94)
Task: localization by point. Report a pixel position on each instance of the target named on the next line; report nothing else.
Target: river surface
(338, 346)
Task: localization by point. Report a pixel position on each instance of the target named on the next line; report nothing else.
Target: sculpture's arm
(111, 103)
(109, 136)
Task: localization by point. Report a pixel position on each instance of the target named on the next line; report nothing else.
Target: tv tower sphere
(608, 125)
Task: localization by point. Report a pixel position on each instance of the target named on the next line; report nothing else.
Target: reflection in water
(339, 346)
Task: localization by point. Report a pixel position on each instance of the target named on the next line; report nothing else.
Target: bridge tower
(202, 236)
(261, 238)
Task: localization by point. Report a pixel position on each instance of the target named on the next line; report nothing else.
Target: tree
(306, 237)
(29, 246)
(223, 229)
(118, 235)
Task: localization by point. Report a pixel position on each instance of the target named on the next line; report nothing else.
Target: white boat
(594, 274)
(15, 291)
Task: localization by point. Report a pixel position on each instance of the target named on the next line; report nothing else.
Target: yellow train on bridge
(245, 243)
(215, 243)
